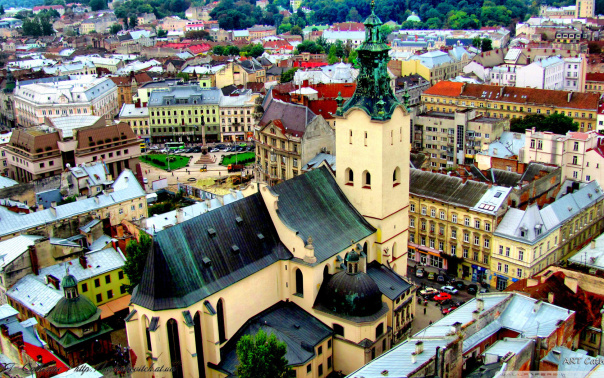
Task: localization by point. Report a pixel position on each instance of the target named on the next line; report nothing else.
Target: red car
(442, 297)
(448, 310)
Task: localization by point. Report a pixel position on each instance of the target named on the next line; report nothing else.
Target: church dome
(73, 309)
(414, 18)
(351, 294)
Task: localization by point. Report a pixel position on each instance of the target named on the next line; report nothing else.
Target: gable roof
(187, 263)
(294, 117)
(446, 188)
(313, 205)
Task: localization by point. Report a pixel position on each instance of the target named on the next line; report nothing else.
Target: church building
(316, 260)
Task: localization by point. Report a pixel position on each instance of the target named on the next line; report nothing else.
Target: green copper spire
(373, 93)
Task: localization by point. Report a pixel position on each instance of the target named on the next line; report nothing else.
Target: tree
(262, 356)
(353, 15)
(197, 34)
(133, 22)
(218, 50)
(46, 27)
(31, 27)
(115, 28)
(556, 123)
(1, 9)
(486, 45)
(288, 75)
(161, 33)
(296, 30)
(97, 5)
(331, 57)
(352, 58)
(136, 258)
(183, 75)
(476, 42)
(231, 50)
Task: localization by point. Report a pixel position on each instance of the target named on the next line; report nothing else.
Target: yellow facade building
(292, 257)
(527, 241)
(512, 102)
(451, 224)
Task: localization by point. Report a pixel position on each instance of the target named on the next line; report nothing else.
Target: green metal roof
(74, 312)
(69, 281)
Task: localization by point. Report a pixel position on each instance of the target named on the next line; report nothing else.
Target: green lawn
(159, 161)
(242, 158)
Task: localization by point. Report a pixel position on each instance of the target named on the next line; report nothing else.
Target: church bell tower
(372, 151)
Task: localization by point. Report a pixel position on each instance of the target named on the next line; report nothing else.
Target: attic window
(239, 220)
(211, 232)
(260, 236)
(498, 194)
(235, 249)
(207, 262)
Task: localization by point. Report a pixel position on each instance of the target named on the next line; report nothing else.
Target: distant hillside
(20, 3)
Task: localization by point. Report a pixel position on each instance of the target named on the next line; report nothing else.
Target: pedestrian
(424, 310)
(172, 173)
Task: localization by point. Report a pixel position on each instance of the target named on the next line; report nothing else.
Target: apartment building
(85, 95)
(44, 151)
(237, 116)
(544, 74)
(512, 102)
(127, 86)
(585, 8)
(137, 117)
(287, 137)
(185, 113)
(455, 138)
(144, 90)
(125, 199)
(568, 151)
(574, 74)
(435, 66)
(451, 223)
(261, 31)
(527, 241)
(594, 82)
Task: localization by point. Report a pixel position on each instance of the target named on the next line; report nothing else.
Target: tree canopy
(262, 356)
(136, 258)
(288, 75)
(36, 27)
(556, 123)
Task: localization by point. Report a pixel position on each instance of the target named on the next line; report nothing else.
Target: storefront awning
(110, 308)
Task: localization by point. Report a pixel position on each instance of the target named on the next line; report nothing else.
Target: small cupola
(70, 286)
(352, 262)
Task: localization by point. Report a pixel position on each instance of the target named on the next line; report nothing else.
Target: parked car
(442, 297)
(446, 311)
(472, 289)
(442, 278)
(459, 285)
(427, 291)
(214, 150)
(449, 289)
(419, 272)
(249, 148)
(431, 276)
(196, 149)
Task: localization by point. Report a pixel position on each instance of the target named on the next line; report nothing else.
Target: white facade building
(570, 151)
(502, 75)
(574, 74)
(544, 74)
(84, 95)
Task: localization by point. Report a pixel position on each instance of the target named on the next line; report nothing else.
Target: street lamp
(168, 149)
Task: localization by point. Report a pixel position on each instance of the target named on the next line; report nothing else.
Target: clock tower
(372, 151)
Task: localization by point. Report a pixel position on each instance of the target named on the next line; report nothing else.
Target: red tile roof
(445, 88)
(198, 49)
(325, 108)
(348, 26)
(528, 96)
(594, 76)
(587, 305)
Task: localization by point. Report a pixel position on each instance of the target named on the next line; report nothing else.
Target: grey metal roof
(301, 331)
(32, 292)
(98, 263)
(446, 188)
(5, 182)
(560, 355)
(189, 263)
(397, 361)
(193, 94)
(318, 159)
(391, 284)
(12, 248)
(592, 255)
(88, 226)
(313, 205)
(502, 347)
(159, 222)
(126, 188)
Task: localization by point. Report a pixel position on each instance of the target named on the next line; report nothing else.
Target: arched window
(174, 347)
(299, 283)
(379, 330)
(338, 329)
(326, 272)
(199, 345)
(365, 248)
(349, 176)
(220, 313)
(396, 176)
(147, 333)
(366, 179)
(394, 250)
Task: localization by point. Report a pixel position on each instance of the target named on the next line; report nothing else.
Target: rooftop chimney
(53, 204)
(83, 261)
(179, 215)
(475, 314)
(571, 283)
(419, 347)
(33, 258)
(532, 282)
(413, 357)
(479, 305)
(570, 96)
(537, 306)
(550, 297)
(593, 244)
